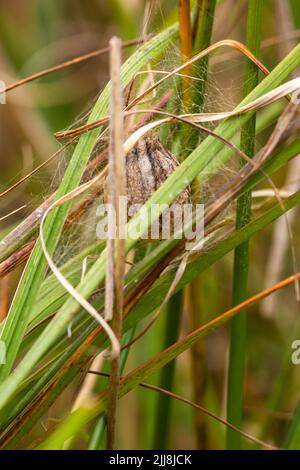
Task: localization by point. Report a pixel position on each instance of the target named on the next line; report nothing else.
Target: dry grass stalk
(117, 189)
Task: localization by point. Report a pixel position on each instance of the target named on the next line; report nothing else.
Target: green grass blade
(241, 256)
(190, 136)
(292, 441)
(166, 380)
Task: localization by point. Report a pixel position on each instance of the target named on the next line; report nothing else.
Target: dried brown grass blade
(198, 407)
(69, 63)
(226, 42)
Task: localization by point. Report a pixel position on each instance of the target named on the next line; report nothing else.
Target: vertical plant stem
(97, 436)
(166, 380)
(117, 191)
(185, 33)
(241, 255)
(195, 305)
(293, 436)
(202, 32)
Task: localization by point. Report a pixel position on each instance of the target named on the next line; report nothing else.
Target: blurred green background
(36, 34)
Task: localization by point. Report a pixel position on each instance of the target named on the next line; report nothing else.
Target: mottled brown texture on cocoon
(148, 165)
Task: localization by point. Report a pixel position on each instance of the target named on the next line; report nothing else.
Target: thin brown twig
(204, 410)
(71, 62)
(209, 413)
(31, 173)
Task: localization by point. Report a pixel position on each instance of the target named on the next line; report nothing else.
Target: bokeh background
(36, 34)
